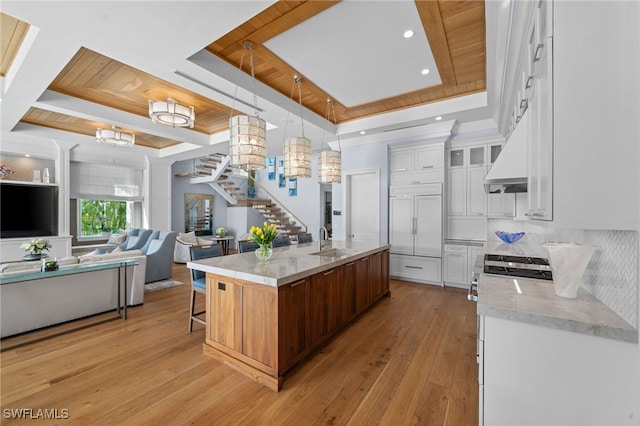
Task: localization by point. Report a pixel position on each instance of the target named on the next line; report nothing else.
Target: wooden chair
(198, 279)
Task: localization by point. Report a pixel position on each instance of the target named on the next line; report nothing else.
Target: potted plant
(36, 249)
(49, 264)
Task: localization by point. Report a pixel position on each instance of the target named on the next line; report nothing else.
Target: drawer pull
(296, 284)
(222, 286)
(413, 267)
(427, 167)
(329, 272)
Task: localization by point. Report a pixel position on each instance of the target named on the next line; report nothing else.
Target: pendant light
(297, 149)
(171, 113)
(115, 137)
(248, 143)
(330, 161)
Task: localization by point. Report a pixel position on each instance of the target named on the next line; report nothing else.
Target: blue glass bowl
(508, 237)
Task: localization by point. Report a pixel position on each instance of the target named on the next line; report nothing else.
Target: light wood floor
(408, 360)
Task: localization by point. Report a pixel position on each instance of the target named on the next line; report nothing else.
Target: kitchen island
(265, 317)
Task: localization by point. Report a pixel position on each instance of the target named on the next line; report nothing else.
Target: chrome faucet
(322, 241)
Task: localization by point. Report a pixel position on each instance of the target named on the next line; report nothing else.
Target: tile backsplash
(612, 274)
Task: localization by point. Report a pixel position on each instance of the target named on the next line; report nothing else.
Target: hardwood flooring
(408, 360)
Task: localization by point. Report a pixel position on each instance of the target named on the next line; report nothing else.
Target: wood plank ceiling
(455, 31)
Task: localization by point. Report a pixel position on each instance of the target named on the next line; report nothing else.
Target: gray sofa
(159, 252)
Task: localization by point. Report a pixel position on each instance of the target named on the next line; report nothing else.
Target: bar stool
(198, 279)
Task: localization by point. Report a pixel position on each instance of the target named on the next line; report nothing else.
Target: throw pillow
(117, 249)
(117, 238)
(189, 238)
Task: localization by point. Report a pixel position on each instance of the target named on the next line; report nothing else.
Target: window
(105, 198)
(98, 216)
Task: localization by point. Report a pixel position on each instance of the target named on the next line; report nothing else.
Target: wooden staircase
(215, 171)
(286, 224)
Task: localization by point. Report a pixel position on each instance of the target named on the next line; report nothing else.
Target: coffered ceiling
(70, 67)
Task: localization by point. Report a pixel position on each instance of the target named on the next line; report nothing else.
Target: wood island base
(263, 331)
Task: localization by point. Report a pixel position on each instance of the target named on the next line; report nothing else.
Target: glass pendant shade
(248, 142)
(329, 167)
(115, 137)
(297, 157)
(171, 113)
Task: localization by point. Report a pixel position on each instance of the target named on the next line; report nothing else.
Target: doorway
(327, 207)
(362, 205)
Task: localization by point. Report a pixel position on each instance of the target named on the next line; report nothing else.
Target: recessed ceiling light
(27, 155)
(408, 34)
(438, 118)
(362, 132)
(425, 71)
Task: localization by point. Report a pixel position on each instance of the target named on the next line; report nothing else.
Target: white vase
(568, 263)
(45, 175)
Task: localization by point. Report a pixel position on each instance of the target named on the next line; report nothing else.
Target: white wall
(305, 205)
(354, 159)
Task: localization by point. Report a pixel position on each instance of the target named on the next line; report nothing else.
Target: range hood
(509, 172)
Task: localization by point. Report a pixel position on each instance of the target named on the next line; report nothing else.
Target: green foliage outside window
(100, 216)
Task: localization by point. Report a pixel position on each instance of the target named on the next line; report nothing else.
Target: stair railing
(282, 205)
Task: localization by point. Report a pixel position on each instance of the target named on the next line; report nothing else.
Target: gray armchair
(159, 251)
(136, 239)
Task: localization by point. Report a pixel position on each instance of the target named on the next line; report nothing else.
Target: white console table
(34, 299)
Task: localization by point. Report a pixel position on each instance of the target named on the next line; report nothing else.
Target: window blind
(99, 181)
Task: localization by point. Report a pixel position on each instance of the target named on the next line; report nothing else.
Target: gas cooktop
(517, 266)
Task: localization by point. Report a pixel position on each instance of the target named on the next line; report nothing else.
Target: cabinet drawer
(409, 190)
(415, 268)
(416, 176)
(455, 248)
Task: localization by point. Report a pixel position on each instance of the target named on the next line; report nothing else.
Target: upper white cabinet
(416, 164)
(466, 195)
(469, 156)
(540, 131)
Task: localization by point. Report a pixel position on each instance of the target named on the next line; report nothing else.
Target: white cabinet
(455, 265)
(459, 259)
(415, 225)
(540, 131)
(468, 156)
(457, 193)
(466, 194)
(415, 232)
(416, 165)
(425, 270)
(476, 194)
(536, 375)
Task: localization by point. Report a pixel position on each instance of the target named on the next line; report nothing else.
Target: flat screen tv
(28, 210)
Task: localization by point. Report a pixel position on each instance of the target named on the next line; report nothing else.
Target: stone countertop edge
(609, 325)
(256, 275)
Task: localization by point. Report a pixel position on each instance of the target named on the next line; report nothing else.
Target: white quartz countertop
(535, 302)
(288, 264)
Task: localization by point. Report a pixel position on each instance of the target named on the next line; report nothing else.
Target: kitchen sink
(334, 253)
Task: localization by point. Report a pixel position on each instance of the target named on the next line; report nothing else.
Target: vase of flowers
(264, 238)
(36, 249)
